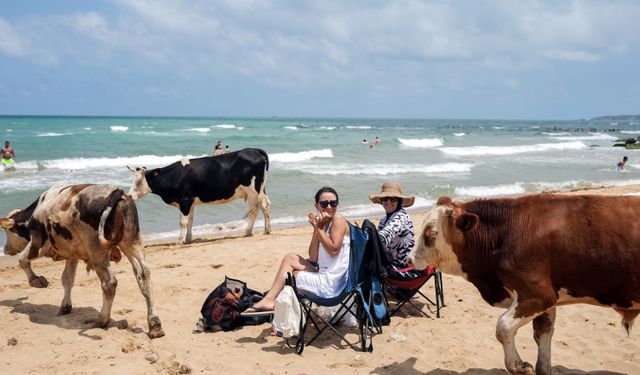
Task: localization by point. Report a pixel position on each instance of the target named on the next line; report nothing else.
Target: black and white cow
(211, 179)
(92, 223)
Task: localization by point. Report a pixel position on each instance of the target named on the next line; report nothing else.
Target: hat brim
(407, 200)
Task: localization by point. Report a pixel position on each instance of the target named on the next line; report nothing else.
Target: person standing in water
(8, 155)
(621, 163)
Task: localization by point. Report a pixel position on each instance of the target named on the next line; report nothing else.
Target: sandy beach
(587, 340)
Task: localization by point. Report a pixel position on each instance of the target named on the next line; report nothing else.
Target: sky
(481, 59)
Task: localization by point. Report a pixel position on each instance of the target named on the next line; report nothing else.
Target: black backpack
(222, 308)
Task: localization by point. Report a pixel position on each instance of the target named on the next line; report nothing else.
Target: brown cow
(533, 253)
(92, 223)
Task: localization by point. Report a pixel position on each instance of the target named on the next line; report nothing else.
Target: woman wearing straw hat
(395, 229)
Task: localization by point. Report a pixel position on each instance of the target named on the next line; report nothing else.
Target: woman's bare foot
(261, 306)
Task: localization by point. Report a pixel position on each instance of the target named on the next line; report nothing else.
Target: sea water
(461, 158)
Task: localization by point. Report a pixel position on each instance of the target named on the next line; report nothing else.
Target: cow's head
(443, 226)
(139, 185)
(17, 234)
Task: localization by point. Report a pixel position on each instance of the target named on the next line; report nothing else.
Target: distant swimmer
(364, 141)
(218, 150)
(8, 155)
(378, 140)
(621, 163)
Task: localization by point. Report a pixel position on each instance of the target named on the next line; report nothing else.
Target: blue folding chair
(351, 300)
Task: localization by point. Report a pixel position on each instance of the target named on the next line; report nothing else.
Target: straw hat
(392, 189)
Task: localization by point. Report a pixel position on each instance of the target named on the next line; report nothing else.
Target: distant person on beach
(329, 249)
(621, 163)
(378, 140)
(218, 150)
(8, 155)
(396, 228)
(364, 141)
(227, 149)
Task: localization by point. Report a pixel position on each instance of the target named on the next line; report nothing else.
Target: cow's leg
(186, 222)
(506, 329)
(143, 277)
(628, 317)
(266, 212)
(68, 278)
(31, 251)
(99, 258)
(254, 205)
(543, 327)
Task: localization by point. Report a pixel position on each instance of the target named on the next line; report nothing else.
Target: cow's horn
(129, 168)
(6, 223)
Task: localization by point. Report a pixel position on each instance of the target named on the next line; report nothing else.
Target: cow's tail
(110, 230)
(266, 158)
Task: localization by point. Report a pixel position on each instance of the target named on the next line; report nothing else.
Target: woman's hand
(313, 220)
(319, 220)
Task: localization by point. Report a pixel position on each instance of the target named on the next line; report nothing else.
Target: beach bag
(287, 313)
(222, 308)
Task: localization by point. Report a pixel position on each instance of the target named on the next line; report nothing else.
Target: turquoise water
(460, 158)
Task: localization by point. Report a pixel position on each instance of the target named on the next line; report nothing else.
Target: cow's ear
(443, 201)
(7, 223)
(155, 173)
(466, 221)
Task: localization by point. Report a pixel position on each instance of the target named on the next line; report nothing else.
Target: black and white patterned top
(396, 234)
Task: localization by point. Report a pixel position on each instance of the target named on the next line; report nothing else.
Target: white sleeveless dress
(331, 277)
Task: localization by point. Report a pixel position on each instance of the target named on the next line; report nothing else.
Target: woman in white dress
(329, 249)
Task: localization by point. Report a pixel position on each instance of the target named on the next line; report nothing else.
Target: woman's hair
(326, 189)
(399, 204)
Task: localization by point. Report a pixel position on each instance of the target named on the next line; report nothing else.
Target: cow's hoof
(155, 328)
(524, 368)
(248, 234)
(102, 323)
(39, 282)
(64, 310)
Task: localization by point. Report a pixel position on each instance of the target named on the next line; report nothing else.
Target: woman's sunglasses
(325, 204)
(388, 199)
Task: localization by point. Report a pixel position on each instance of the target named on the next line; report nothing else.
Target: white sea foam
(381, 169)
(224, 126)
(199, 130)
(119, 128)
(421, 143)
(288, 157)
(630, 131)
(511, 150)
(291, 127)
(590, 137)
(93, 163)
(459, 134)
(87, 128)
(358, 127)
(498, 127)
(327, 127)
(52, 134)
(556, 133)
(489, 191)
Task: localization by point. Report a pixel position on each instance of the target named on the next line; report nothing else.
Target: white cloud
(319, 42)
(10, 41)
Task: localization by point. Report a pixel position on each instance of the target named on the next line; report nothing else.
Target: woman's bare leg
(291, 262)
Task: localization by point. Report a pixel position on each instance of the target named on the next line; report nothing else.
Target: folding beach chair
(351, 300)
(407, 282)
